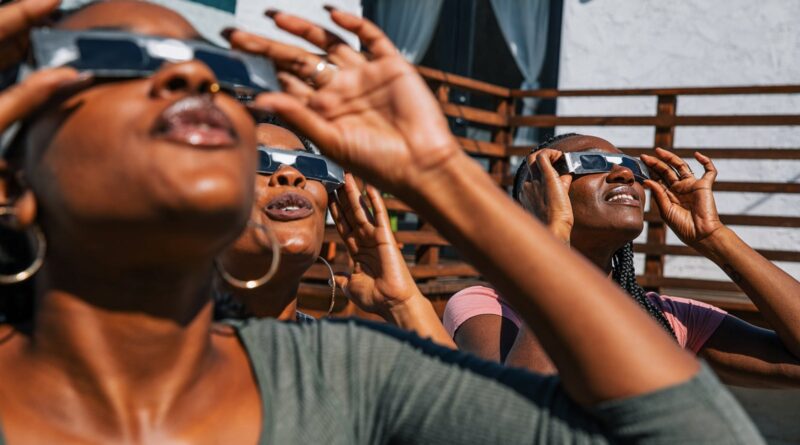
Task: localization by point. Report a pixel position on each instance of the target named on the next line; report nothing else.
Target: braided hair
(622, 269)
(624, 274)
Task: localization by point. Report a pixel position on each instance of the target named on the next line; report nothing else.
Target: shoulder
(474, 301)
(692, 321)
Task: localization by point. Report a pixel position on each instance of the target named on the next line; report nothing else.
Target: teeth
(291, 208)
(621, 197)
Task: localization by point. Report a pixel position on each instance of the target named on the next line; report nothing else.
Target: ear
(17, 197)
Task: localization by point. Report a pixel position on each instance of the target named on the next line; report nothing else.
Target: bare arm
(739, 351)
(488, 336)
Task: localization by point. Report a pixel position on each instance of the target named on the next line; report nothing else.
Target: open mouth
(289, 207)
(195, 121)
(623, 195)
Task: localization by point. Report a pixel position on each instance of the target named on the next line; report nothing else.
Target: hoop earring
(273, 268)
(331, 283)
(41, 248)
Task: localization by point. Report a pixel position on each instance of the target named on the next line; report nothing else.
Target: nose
(287, 176)
(620, 174)
(182, 79)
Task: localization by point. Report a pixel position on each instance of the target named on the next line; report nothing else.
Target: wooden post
(656, 231)
(499, 167)
(429, 255)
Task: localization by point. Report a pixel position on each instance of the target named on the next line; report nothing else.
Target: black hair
(16, 300)
(622, 268)
(275, 120)
(624, 273)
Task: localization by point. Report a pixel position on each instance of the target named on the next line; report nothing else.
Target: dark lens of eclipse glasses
(594, 162)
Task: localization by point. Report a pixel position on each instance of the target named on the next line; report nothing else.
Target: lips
(289, 207)
(195, 121)
(623, 195)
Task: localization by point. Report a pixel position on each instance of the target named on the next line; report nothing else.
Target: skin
(378, 119)
(122, 349)
(576, 212)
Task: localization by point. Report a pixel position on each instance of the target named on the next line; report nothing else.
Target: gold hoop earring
(331, 283)
(41, 249)
(273, 268)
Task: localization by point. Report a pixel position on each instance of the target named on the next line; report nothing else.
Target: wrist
(715, 243)
(561, 232)
(398, 312)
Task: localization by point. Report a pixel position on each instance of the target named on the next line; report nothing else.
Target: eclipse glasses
(584, 163)
(312, 166)
(119, 54)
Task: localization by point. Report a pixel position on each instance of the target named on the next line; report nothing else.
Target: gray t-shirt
(353, 382)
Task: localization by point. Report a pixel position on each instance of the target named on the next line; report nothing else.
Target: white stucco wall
(656, 43)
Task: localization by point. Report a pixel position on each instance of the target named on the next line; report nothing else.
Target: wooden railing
(439, 277)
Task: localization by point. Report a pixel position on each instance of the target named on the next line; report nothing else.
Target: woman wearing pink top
(599, 215)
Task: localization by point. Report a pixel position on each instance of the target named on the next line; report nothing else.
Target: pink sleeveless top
(693, 322)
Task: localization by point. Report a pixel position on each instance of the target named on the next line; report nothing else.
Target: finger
(708, 165)
(345, 203)
(359, 208)
(24, 14)
(339, 221)
(22, 99)
(320, 37)
(292, 111)
(659, 193)
(380, 213)
(374, 40)
(293, 59)
(294, 86)
(544, 162)
(664, 171)
(675, 161)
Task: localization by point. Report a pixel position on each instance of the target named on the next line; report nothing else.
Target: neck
(599, 255)
(276, 299)
(132, 342)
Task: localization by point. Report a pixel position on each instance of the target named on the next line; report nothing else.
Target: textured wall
(656, 43)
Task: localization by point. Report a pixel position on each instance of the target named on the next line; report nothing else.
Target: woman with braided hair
(597, 209)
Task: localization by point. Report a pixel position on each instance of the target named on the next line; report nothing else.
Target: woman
(599, 215)
(293, 206)
(139, 183)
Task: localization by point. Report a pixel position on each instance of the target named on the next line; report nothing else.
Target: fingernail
(226, 32)
(328, 8)
(271, 12)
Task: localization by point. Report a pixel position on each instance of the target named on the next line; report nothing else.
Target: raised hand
(380, 278)
(685, 202)
(557, 208)
(15, 21)
(375, 116)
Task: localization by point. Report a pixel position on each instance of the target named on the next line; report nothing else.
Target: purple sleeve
(693, 321)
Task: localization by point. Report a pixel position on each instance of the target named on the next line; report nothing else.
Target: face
(609, 205)
(144, 163)
(288, 203)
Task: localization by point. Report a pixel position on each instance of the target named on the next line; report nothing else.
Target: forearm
(417, 314)
(773, 291)
(606, 350)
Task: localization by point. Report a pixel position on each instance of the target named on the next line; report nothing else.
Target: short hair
(277, 121)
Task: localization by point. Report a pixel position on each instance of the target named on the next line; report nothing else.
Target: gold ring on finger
(317, 76)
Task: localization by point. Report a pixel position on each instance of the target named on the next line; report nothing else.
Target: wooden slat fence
(440, 274)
